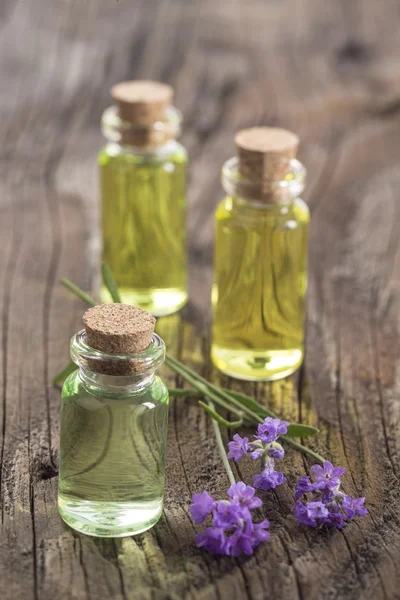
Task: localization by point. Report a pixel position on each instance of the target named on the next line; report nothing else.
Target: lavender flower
(202, 506)
(328, 473)
(275, 450)
(264, 448)
(233, 531)
(269, 478)
(244, 495)
(303, 487)
(353, 507)
(271, 429)
(238, 447)
(328, 505)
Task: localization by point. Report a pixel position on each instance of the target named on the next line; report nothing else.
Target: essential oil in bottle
(143, 190)
(113, 425)
(260, 260)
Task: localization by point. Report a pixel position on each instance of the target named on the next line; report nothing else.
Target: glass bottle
(113, 428)
(143, 190)
(260, 260)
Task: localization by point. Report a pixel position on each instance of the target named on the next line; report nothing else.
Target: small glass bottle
(143, 191)
(260, 259)
(113, 425)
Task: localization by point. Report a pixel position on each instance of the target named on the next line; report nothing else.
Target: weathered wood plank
(329, 71)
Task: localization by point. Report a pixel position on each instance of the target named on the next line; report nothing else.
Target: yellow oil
(143, 225)
(260, 281)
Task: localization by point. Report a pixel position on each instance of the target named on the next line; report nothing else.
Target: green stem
(78, 292)
(221, 447)
(182, 393)
(200, 386)
(212, 390)
(110, 283)
(225, 400)
(217, 417)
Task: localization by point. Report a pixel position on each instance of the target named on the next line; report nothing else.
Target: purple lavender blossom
(303, 487)
(271, 429)
(237, 447)
(202, 506)
(275, 450)
(311, 513)
(328, 506)
(213, 540)
(328, 473)
(244, 495)
(256, 450)
(260, 532)
(226, 514)
(353, 507)
(264, 447)
(269, 478)
(233, 531)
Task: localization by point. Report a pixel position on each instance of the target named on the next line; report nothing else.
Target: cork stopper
(265, 153)
(118, 328)
(142, 102)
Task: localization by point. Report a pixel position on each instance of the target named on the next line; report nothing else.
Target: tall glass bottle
(260, 260)
(113, 425)
(143, 190)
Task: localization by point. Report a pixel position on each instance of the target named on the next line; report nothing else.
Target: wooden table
(329, 71)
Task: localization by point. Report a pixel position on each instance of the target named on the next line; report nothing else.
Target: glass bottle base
(158, 301)
(109, 519)
(252, 365)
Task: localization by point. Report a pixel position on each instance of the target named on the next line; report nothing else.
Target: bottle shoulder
(115, 154)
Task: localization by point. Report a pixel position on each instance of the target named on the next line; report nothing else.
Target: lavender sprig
(230, 529)
(328, 505)
(266, 448)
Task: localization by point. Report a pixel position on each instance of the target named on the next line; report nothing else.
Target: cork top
(142, 102)
(118, 328)
(264, 153)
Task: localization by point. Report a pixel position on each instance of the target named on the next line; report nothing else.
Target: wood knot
(354, 51)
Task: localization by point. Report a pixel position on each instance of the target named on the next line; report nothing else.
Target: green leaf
(64, 373)
(110, 283)
(299, 430)
(219, 419)
(78, 292)
(181, 392)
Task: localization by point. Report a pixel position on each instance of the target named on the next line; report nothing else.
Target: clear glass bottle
(143, 190)
(260, 260)
(113, 432)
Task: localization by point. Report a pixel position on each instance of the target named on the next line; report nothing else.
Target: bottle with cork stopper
(113, 425)
(143, 197)
(260, 259)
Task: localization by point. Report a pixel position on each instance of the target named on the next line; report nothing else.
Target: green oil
(260, 280)
(112, 458)
(143, 225)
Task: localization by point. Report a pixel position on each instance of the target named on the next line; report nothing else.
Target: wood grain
(331, 72)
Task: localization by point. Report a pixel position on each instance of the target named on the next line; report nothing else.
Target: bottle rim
(264, 190)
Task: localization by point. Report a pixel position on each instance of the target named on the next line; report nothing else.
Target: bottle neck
(116, 374)
(263, 193)
(142, 138)
(114, 386)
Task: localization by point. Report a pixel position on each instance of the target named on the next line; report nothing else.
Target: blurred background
(328, 71)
